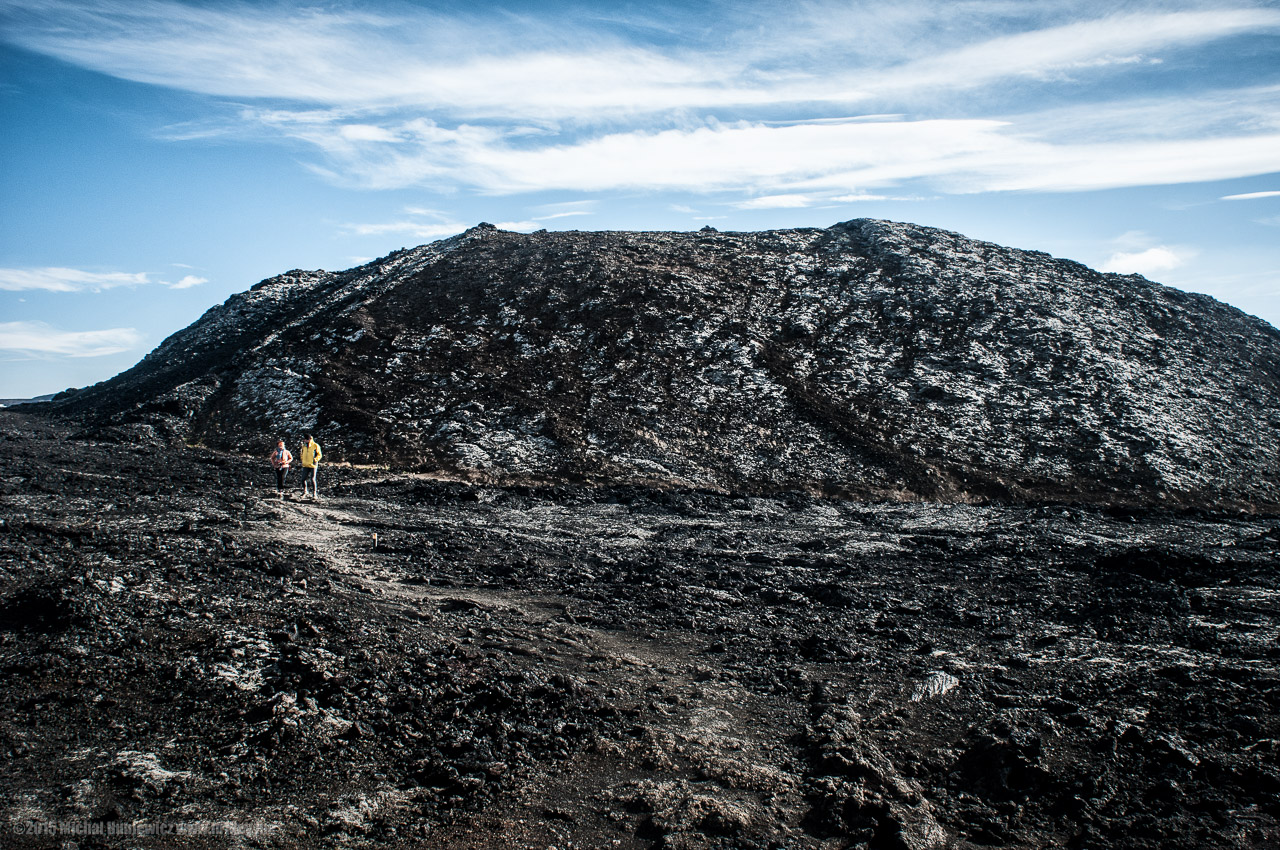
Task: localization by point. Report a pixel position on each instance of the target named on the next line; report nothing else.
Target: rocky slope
(869, 359)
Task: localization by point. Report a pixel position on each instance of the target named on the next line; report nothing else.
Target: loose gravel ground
(418, 662)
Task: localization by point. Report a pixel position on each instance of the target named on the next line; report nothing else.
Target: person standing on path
(280, 460)
(310, 455)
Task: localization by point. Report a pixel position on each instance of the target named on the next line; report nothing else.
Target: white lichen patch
(935, 684)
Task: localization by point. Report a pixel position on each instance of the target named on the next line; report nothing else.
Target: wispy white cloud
(475, 65)
(547, 212)
(439, 224)
(1140, 252)
(1132, 241)
(65, 280)
(38, 338)
(416, 229)
(959, 155)
(366, 133)
(856, 197)
(555, 216)
(420, 223)
(795, 200)
(1057, 51)
(56, 279)
(1037, 166)
(1248, 196)
(773, 202)
(502, 103)
(522, 226)
(426, 211)
(1207, 113)
(1147, 263)
(510, 66)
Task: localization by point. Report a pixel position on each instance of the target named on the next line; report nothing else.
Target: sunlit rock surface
(870, 359)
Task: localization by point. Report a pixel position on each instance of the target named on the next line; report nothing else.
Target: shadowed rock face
(870, 359)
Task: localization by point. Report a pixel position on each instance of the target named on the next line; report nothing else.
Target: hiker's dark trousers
(309, 477)
(281, 474)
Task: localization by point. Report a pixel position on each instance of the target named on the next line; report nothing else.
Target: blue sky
(158, 156)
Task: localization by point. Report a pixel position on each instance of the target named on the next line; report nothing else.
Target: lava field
(418, 662)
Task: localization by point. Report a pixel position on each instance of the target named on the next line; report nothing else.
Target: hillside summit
(870, 359)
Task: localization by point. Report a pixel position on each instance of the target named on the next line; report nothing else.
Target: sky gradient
(159, 156)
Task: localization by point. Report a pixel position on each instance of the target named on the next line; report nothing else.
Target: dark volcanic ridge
(870, 359)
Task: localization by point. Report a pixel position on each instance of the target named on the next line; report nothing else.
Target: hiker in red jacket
(280, 460)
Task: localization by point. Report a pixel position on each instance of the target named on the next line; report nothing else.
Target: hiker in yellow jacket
(310, 455)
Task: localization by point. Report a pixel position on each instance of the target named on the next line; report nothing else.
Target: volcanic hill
(870, 359)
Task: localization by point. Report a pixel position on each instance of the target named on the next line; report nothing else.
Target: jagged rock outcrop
(869, 359)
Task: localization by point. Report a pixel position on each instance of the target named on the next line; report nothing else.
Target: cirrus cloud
(39, 338)
(783, 164)
(1249, 196)
(775, 202)
(487, 64)
(505, 103)
(58, 279)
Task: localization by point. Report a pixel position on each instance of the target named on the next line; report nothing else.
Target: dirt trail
(693, 716)
(333, 529)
